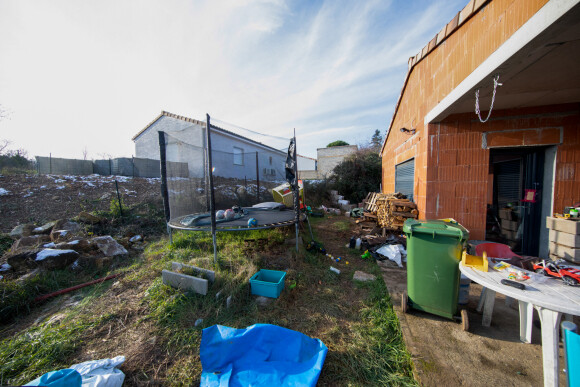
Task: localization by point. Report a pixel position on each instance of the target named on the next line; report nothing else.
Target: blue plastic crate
(268, 283)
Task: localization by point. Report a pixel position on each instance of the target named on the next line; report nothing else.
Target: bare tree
(3, 145)
(85, 153)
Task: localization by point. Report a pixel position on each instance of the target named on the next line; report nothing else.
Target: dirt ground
(44, 198)
(445, 355)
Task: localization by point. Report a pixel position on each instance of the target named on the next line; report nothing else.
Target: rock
(85, 217)
(55, 258)
(44, 229)
(229, 301)
(30, 241)
(58, 236)
(78, 245)
(362, 276)
(64, 224)
(22, 230)
(109, 246)
(4, 268)
(23, 261)
(198, 322)
(106, 196)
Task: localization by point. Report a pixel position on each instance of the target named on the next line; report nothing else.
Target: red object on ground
(63, 291)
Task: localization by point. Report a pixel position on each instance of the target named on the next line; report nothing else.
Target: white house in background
(233, 156)
(328, 158)
(306, 163)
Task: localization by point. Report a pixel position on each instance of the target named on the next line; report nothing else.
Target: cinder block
(567, 253)
(569, 226)
(210, 274)
(185, 282)
(563, 238)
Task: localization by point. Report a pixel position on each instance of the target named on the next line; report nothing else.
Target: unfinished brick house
(501, 178)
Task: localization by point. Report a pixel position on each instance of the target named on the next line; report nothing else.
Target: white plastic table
(551, 299)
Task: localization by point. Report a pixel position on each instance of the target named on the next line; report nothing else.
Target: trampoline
(239, 172)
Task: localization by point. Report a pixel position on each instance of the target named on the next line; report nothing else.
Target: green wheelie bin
(434, 249)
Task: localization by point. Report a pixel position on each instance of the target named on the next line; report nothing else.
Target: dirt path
(445, 355)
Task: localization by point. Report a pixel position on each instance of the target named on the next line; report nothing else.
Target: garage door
(405, 178)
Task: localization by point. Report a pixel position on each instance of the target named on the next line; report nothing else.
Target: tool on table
(514, 284)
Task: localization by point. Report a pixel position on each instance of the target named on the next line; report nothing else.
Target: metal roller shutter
(405, 178)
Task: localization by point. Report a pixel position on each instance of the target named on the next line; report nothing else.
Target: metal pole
(297, 192)
(119, 198)
(211, 193)
(163, 166)
(257, 179)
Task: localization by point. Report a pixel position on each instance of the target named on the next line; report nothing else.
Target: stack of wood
(392, 212)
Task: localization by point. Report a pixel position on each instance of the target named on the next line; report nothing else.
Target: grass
(355, 320)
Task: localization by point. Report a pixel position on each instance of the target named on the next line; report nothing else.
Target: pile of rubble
(64, 243)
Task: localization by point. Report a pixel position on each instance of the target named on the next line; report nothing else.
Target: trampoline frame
(214, 228)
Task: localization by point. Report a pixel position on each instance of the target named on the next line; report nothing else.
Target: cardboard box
(511, 225)
(507, 214)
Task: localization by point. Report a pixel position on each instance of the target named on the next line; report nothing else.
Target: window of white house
(238, 156)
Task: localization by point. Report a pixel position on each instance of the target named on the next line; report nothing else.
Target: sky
(79, 78)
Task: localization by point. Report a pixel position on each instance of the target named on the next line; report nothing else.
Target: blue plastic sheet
(260, 355)
(60, 378)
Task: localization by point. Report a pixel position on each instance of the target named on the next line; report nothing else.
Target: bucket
(463, 297)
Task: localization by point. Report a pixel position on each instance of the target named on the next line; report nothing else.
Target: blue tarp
(260, 355)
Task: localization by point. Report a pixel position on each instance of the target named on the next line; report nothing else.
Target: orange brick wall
(458, 180)
(435, 76)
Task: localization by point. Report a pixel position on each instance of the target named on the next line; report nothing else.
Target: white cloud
(81, 73)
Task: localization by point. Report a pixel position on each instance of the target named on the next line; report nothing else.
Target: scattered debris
(363, 277)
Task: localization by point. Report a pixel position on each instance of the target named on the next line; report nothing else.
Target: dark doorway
(514, 214)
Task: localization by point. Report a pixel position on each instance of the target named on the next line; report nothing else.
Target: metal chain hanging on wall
(477, 111)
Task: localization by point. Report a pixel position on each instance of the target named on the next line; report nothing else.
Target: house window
(405, 178)
(238, 156)
(270, 160)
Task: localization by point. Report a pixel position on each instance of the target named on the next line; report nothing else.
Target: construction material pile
(389, 210)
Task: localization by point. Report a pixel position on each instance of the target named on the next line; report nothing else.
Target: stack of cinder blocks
(564, 239)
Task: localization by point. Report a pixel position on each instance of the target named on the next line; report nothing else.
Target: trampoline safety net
(245, 170)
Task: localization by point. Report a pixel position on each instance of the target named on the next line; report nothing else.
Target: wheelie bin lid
(447, 227)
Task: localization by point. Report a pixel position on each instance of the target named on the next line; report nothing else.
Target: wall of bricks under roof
(429, 81)
(459, 183)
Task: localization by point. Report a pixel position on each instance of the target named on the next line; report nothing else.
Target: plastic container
(357, 243)
(268, 283)
(434, 250)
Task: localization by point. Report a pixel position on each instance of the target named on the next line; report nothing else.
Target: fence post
(257, 179)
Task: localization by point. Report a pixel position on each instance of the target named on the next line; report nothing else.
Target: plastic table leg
(550, 344)
(488, 303)
(526, 319)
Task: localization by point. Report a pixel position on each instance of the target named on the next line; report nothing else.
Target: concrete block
(565, 252)
(185, 282)
(209, 274)
(566, 225)
(563, 238)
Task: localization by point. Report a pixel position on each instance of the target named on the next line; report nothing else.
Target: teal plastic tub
(268, 283)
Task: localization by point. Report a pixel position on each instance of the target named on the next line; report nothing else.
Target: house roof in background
(203, 125)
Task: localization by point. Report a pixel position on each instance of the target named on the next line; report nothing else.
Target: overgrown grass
(5, 243)
(355, 320)
(43, 348)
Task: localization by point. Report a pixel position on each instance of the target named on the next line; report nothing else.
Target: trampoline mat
(265, 218)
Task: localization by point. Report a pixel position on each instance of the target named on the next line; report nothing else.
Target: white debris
(396, 253)
(49, 245)
(4, 191)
